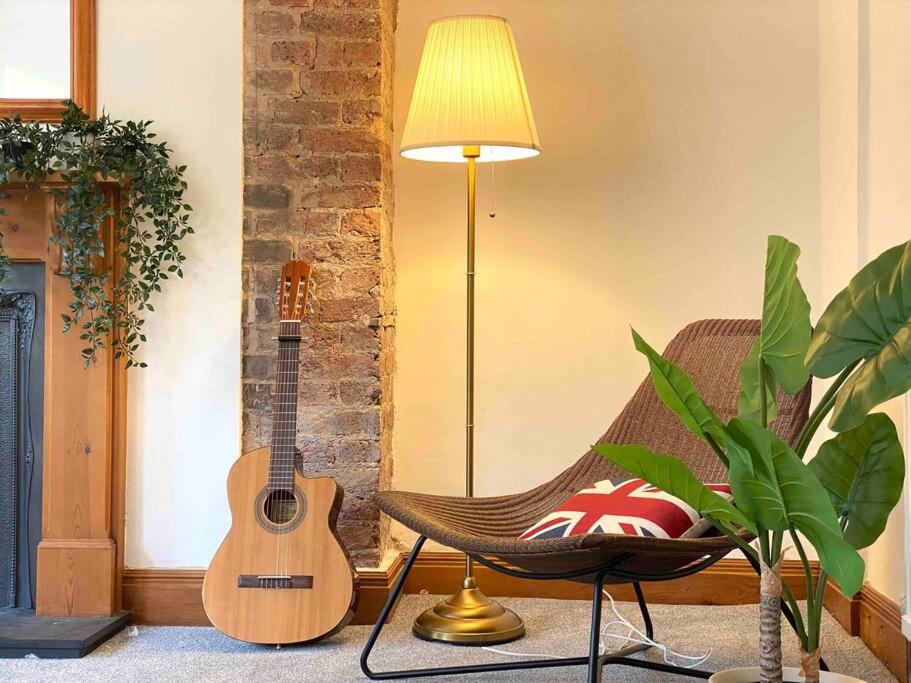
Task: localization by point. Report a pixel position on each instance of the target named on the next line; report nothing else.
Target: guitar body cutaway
(281, 575)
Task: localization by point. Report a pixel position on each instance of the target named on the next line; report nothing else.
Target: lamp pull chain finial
(492, 213)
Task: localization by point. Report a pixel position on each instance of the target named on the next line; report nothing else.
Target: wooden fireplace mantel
(80, 556)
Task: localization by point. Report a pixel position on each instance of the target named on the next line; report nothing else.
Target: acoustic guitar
(281, 575)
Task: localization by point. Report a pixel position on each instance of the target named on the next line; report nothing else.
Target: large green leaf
(772, 485)
(778, 353)
(863, 470)
(677, 391)
(748, 405)
(786, 329)
(870, 319)
(671, 475)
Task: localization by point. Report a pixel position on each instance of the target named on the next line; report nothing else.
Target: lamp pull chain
(492, 213)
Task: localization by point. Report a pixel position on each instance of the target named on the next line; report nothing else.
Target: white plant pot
(750, 674)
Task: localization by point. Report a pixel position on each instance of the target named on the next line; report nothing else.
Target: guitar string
(284, 440)
(280, 437)
(286, 424)
(288, 453)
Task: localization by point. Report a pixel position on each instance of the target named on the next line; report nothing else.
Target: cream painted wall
(889, 221)
(675, 137)
(181, 66)
(865, 203)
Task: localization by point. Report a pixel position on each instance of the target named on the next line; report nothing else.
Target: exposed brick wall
(317, 135)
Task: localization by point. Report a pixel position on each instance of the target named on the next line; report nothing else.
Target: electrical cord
(633, 635)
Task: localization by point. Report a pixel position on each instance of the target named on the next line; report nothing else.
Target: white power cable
(691, 661)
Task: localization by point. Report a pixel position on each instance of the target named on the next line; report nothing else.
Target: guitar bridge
(274, 581)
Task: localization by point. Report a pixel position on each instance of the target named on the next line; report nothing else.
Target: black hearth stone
(22, 634)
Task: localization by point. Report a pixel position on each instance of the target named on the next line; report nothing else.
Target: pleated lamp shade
(470, 92)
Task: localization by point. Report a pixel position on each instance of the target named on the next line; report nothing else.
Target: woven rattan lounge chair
(711, 352)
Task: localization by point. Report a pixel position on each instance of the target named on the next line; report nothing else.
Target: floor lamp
(469, 106)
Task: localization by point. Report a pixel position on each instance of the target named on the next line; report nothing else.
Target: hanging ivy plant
(152, 221)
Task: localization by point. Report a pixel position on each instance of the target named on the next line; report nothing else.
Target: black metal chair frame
(595, 661)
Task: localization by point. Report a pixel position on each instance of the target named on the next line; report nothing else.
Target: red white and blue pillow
(632, 507)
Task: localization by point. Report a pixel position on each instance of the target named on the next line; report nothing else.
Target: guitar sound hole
(280, 507)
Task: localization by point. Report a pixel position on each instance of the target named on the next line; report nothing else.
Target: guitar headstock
(292, 291)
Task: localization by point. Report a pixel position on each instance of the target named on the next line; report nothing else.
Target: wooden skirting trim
(876, 620)
(174, 596)
(728, 582)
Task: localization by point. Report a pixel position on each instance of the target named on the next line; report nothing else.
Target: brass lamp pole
(470, 106)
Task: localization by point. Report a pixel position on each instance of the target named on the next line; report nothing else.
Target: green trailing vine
(152, 221)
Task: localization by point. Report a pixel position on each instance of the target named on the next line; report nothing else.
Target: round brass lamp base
(469, 618)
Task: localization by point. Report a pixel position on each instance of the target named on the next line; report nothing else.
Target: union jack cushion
(624, 506)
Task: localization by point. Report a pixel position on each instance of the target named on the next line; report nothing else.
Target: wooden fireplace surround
(80, 556)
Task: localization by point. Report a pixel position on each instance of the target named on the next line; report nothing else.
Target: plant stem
(820, 601)
(812, 625)
(820, 411)
(795, 610)
(722, 456)
(770, 621)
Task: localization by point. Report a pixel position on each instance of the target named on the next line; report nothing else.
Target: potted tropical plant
(840, 501)
(152, 220)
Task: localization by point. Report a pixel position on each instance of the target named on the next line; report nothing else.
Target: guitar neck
(284, 407)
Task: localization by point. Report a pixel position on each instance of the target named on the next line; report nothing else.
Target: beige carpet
(556, 627)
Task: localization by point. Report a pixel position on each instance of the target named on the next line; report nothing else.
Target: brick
(315, 224)
(361, 169)
(350, 452)
(329, 141)
(274, 22)
(355, 280)
(358, 338)
(318, 167)
(361, 224)
(346, 4)
(256, 395)
(272, 224)
(361, 113)
(271, 166)
(356, 392)
(347, 84)
(337, 366)
(354, 251)
(259, 367)
(306, 112)
(347, 25)
(340, 196)
(301, 52)
(271, 80)
(267, 196)
(343, 422)
(318, 394)
(266, 310)
(276, 138)
(357, 54)
(277, 251)
(350, 308)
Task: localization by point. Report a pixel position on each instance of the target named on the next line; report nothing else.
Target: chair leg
(594, 650)
(594, 661)
(643, 607)
(387, 608)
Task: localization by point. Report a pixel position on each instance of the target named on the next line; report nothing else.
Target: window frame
(83, 58)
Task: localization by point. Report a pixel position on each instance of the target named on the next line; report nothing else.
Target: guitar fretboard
(284, 407)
